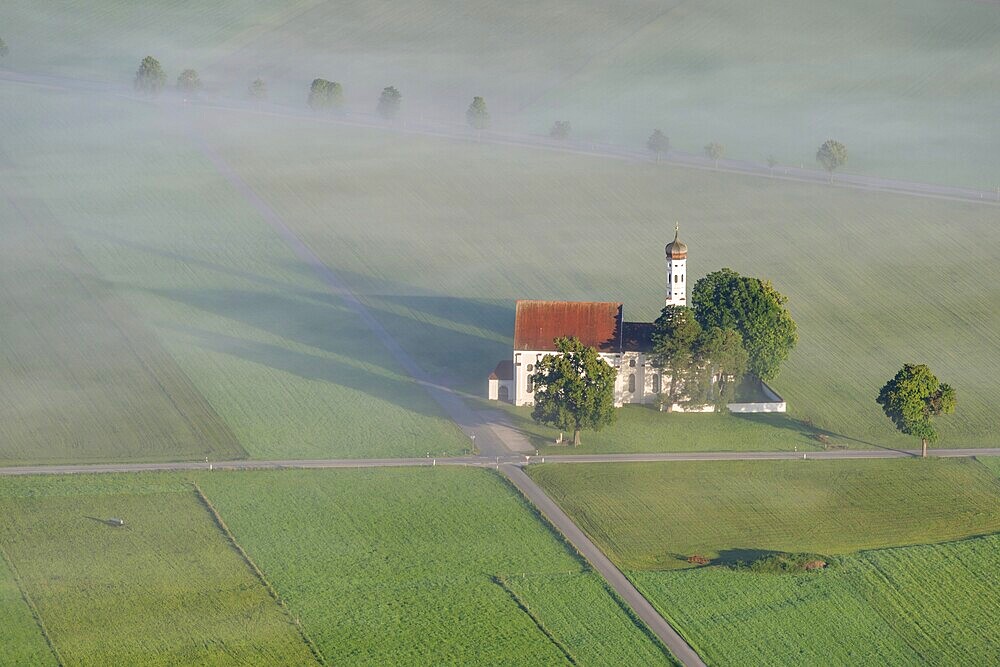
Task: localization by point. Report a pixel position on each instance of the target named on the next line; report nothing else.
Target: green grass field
(655, 515)
(166, 588)
(908, 85)
(225, 326)
(930, 604)
(23, 641)
(398, 566)
(440, 255)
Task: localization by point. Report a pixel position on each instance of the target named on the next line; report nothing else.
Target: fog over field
(292, 234)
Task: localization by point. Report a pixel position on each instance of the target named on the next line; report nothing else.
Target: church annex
(624, 345)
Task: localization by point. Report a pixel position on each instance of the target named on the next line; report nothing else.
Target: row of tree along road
(325, 95)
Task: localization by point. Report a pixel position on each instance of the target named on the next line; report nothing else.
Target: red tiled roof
(503, 371)
(538, 323)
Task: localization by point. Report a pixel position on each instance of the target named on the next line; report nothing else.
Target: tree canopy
(257, 89)
(574, 389)
(389, 103)
(560, 129)
(477, 115)
(150, 78)
(913, 398)
(188, 81)
(675, 352)
(658, 143)
(752, 307)
(832, 155)
(714, 152)
(723, 352)
(325, 94)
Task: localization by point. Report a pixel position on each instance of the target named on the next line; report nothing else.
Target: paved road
(489, 461)
(461, 132)
(652, 618)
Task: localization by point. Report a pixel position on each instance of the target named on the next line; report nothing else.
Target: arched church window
(656, 384)
(631, 382)
(531, 385)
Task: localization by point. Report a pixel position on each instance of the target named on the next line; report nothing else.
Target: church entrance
(504, 394)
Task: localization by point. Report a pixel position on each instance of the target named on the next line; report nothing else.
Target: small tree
(658, 143)
(477, 115)
(3, 48)
(574, 389)
(188, 82)
(389, 103)
(714, 152)
(832, 155)
(772, 162)
(325, 94)
(150, 78)
(913, 398)
(257, 90)
(560, 130)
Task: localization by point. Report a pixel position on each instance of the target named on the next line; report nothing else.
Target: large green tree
(389, 103)
(832, 155)
(477, 115)
(560, 129)
(675, 337)
(751, 306)
(150, 77)
(913, 398)
(257, 89)
(574, 389)
(658, 143)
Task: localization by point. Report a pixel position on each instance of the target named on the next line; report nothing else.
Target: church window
(656, 384)
(682, 277)
(631, 382)
(531, 367)
(631, 363)
(531, 384)
(677, 278)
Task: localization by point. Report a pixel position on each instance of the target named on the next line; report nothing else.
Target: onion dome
(676, 249)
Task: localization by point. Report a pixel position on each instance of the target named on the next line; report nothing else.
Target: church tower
(676, 270)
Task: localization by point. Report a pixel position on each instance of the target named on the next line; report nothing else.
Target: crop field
(991, 462)
(83, 379)
(440, 255)
(165, 588)
(401, 566)
(930, 604)
(908, 85)
(23, 642)
(152, 297)
(656, 515)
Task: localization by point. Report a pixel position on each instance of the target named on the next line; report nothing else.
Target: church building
(625, 345)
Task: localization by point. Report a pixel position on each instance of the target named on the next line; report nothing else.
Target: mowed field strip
(287, 369)
(409, 566)
(652, 516)
(929, 603)
(165, 588)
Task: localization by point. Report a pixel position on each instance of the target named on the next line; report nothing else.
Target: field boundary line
(33, 608)
(257, 572)
(523, 605)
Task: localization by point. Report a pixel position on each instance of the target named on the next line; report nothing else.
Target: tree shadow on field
(730, 557)
(811, 434)
(406, 394)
